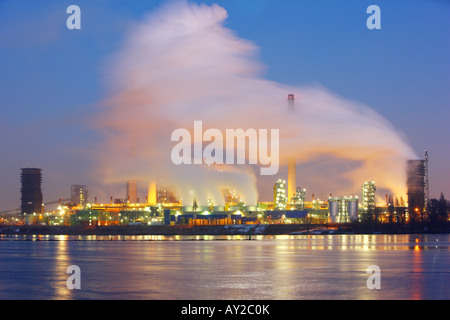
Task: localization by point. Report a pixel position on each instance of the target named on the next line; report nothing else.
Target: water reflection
(309, 242)
(417, 269)
(207, 267)
(62, 260)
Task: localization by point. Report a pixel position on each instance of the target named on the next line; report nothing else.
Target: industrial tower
(79, 194)
(292, 183)
(31, 192)
(415, 184)
(151, 195)
(427, 185)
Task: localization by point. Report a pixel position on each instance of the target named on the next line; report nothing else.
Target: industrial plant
(161, 206)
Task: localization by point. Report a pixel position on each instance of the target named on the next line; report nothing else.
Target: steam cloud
(180, 65)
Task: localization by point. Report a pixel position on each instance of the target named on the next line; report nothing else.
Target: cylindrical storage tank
(352, 209)
(333, 205)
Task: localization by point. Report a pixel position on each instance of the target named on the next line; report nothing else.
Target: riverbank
(268, 229)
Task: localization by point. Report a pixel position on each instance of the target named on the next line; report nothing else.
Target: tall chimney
(152, 193)
(292, 174)
(427, 185)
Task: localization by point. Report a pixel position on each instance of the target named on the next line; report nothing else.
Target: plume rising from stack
(187, 66)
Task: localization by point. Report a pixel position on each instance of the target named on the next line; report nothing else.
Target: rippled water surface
(225, 267)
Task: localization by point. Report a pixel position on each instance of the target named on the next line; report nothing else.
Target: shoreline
(257, 229)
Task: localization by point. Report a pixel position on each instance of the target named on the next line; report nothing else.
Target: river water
(300, 267)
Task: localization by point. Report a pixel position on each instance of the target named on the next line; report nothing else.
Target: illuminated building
(79, 194)
(318, 210)
(368, 197)
(165, 195)
(279, 194)
(298, 201)
(31, 192)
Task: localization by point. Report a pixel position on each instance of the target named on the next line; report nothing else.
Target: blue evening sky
(50, 77)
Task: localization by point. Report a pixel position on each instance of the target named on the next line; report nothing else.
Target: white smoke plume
(180, 64)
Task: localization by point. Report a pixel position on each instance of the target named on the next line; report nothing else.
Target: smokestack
(291, 100)
(427, 185)
(151, 198)
(292, 174)
(291, 179)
